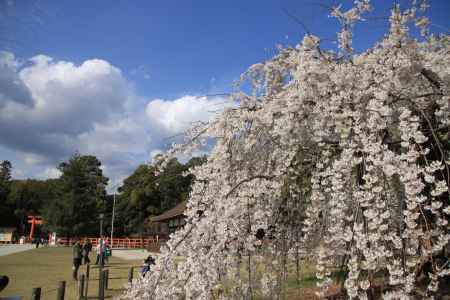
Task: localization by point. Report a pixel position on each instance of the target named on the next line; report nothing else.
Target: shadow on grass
(311, 281)
(121, 268)
(118, 264)
(117, 290)
(118, 278)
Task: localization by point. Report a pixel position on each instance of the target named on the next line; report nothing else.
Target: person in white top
(100, 249)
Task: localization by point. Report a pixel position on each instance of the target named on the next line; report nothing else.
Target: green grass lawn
(302, 288)
(45, 267)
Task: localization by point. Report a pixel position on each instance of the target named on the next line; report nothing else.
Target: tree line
(71, 205)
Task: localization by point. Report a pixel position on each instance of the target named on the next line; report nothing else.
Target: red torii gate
(34, 220)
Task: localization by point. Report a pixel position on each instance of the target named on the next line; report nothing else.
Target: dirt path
(132, 254)
(10, 249)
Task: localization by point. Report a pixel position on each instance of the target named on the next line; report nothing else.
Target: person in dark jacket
(87, 248)
(4, 280)
(147, 265)
(76, 259)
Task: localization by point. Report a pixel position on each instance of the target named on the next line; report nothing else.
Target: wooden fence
(82, 286)
(148, 242)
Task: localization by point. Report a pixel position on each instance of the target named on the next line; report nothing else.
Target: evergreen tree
(80, 197)
(27, 197)
(147, 192)
(6, 210)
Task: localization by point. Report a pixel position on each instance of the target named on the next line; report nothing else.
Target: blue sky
(147, 50)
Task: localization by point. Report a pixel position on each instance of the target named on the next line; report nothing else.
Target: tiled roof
(171, 213)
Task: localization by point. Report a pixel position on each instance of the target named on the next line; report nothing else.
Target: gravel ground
(13, 248)
(132, 254)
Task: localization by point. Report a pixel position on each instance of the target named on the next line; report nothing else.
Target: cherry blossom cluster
(341, 158)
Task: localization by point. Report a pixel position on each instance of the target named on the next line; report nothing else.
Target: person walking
(87, 248)
(76, 259)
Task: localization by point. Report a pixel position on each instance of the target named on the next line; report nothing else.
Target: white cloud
(67, 102)
(17, 173)
(141, 70)
(154, 153)
(12, 89)
(89, 108)
(8, 60)
(70, 98)
(49, 173)
(178, 115)
(124, 135)
(51, 109)
(33, 158)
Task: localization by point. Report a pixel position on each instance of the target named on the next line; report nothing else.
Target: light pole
(101, 225)
(112, 219)
(113, 212)
(101, 242)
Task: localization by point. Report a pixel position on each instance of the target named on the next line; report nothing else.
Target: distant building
(7, 235)
(170, 220)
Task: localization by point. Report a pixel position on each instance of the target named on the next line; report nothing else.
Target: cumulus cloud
(12, 88)
(51, 109)
(67, 100)
(177, 115)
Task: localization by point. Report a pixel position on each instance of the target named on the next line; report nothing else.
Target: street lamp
(101, 224)
(112, 219)
(113, 212)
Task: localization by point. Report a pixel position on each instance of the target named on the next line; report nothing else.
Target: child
(107, 252)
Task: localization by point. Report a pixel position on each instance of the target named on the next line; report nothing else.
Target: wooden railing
(147, 242)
